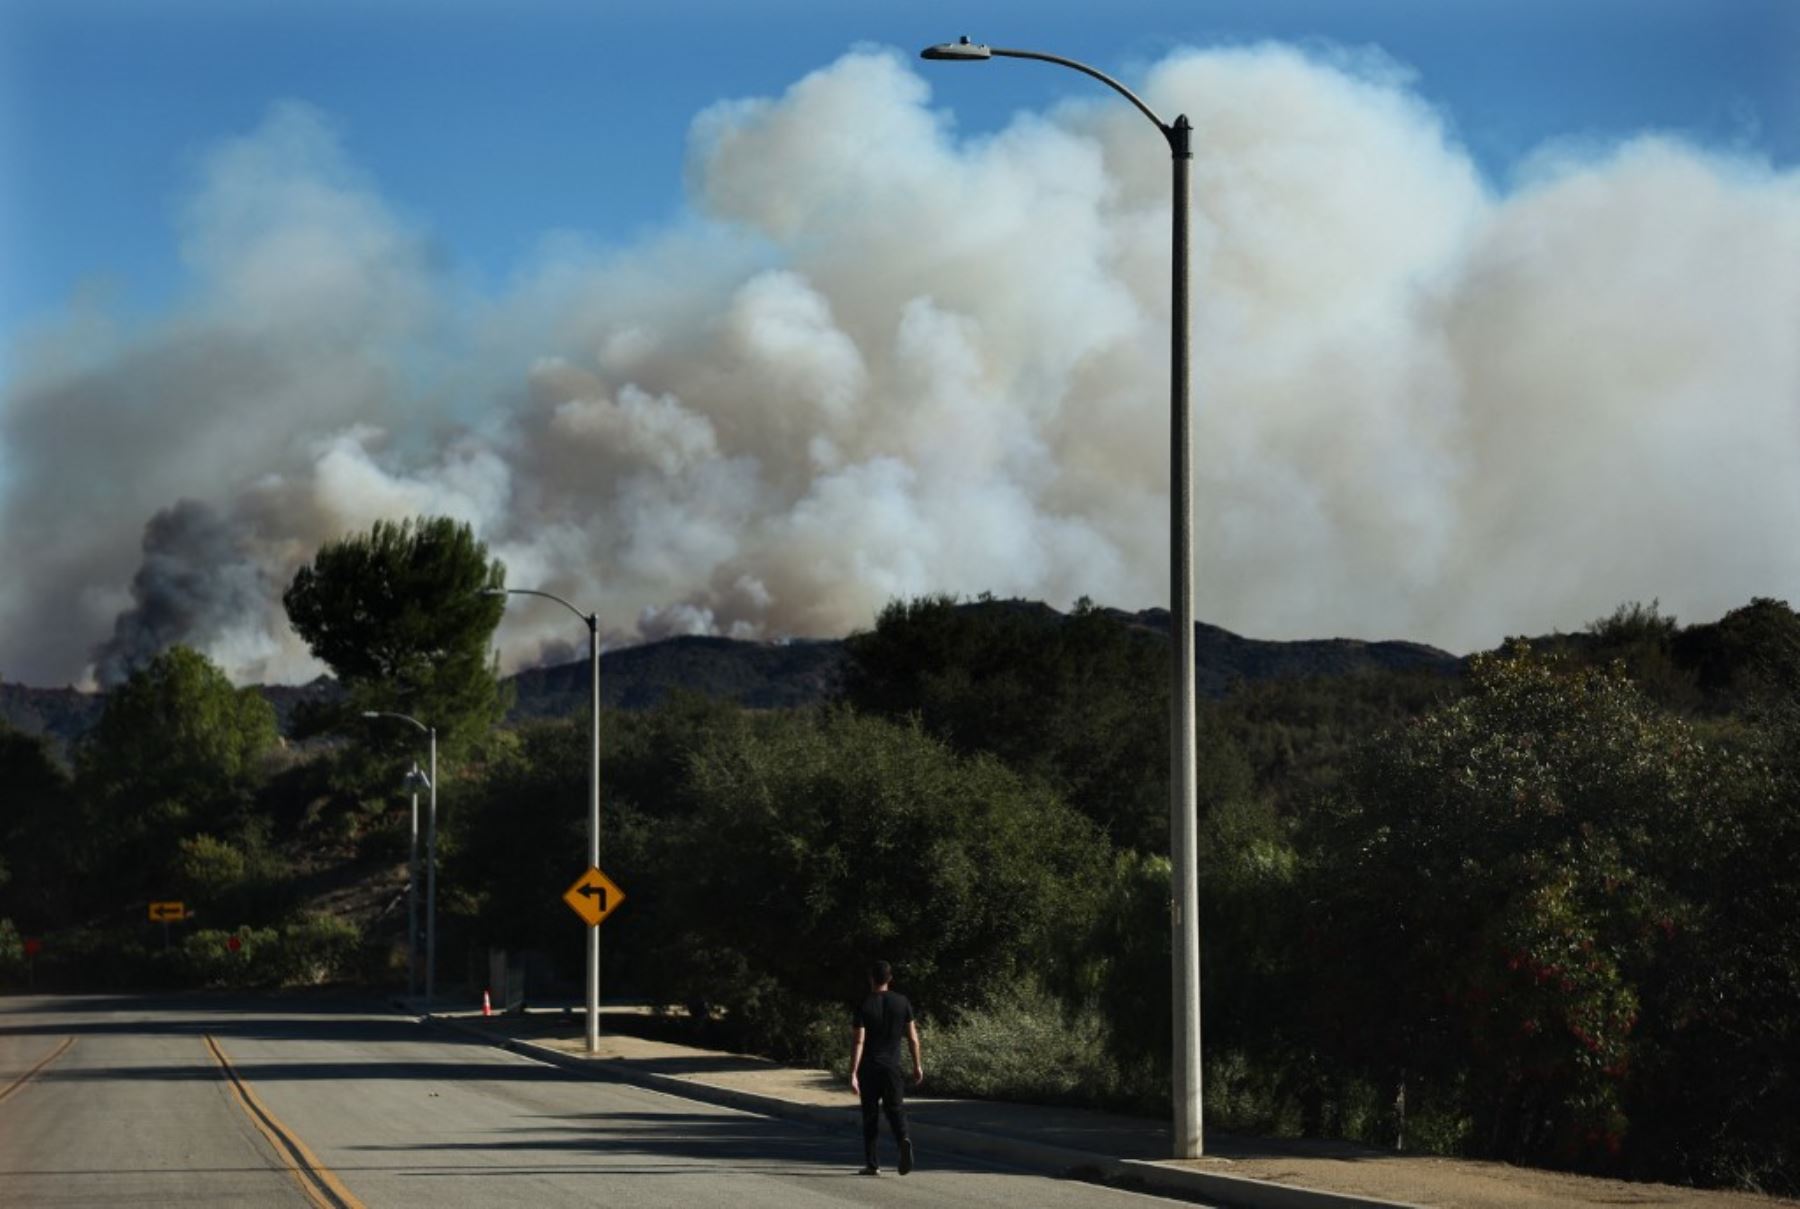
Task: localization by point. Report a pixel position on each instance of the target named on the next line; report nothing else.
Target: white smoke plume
(886, 360)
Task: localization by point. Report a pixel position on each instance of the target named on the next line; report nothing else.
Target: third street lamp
(412, 938)
(593, 947)
(1183, 823)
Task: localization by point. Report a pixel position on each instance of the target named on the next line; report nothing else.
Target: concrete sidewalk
(1250, 1172)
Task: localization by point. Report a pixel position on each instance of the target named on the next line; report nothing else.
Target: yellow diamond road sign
(593, 896)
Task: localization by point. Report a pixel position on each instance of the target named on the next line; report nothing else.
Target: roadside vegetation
(1542, 911)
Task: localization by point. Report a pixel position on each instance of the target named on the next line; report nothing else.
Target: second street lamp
(430, 864)
(1183, 803)
(593, 946)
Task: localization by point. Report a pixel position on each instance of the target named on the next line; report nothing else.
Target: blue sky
(494, 125)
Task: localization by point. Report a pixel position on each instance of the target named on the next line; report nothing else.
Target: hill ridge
(783, 673)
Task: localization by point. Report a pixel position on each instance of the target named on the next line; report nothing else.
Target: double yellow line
(27, 1077)
(321, 1187)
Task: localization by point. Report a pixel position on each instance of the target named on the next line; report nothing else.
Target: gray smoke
(885, 360)
(199, 584)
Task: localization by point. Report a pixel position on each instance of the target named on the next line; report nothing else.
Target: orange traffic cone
(487, 1005)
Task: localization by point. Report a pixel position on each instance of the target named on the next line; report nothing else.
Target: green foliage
(1131, 975)
(767, 857)
(178, 737)
(1718, 1074)
(1021, 1045)
(1079, 702)
(1249, 925)
(1250, 921)
(309, 951)
(12, 954)
(1634, 623)
(517, 836)
(41, 836)
(178, 750)
(239, 877)
(207, 869)
(1749, 655)
(398, 614)
(1297, 736)
(317, 949)
(832, 838)
(205, 958)
(1505, 880)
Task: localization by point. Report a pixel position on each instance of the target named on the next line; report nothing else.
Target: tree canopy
(1537, 899)
(1080, 702)
(39, 831)
(178, 750)
(399, 616)
(178, 734)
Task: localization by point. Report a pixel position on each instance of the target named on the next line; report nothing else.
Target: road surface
(316, 1102)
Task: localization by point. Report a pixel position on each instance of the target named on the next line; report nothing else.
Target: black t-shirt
(883, 1018)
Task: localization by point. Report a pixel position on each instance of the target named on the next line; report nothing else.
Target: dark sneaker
(870, 1170)
(906, 1157)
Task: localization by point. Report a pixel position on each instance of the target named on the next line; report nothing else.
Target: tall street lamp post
(412, 886)
(1183, 821)
(593, 946)
(412, 909)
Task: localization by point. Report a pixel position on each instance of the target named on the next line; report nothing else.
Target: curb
(1240, 1192)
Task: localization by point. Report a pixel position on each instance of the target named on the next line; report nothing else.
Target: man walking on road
(880, 1028)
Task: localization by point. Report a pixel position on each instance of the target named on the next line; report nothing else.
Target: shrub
(205, 957)
(317, 949)
(208, 869)
(12, 954)
(1022, 1045)
(306, 952)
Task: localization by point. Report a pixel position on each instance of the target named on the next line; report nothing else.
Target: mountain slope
(778, 675)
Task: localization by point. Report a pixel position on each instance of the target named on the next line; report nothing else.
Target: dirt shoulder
(1459, 1183)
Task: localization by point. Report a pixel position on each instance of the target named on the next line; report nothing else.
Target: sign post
(33, 946)
(165, 913)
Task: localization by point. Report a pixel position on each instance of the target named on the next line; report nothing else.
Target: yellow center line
(316, 1180)
(25, 1078)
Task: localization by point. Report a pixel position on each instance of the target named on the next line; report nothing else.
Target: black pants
(883, 1087)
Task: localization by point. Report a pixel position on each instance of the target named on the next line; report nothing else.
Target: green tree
(1751, 654)
(1299, 735)
(42, 844)
(1079, 702)
(399, 616)
(177, 750)
(1715, 1091)
(813, 842)
(518, 836)
(1500, 880)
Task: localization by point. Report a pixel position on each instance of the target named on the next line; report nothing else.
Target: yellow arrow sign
(162, 913)
(593, 896)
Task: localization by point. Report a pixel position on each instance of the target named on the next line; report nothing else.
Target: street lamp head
(491, 592)
(961, 49)
(369, 713)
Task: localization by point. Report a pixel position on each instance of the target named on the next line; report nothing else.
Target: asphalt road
(296, 1102)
